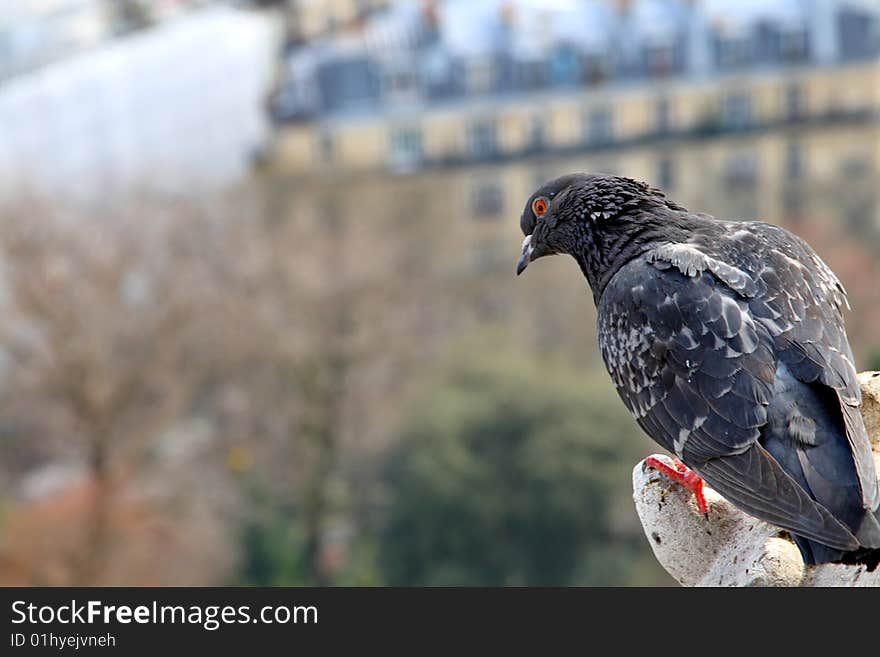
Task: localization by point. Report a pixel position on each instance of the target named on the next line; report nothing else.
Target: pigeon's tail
(819, 456)
(816, 553)
(868, 556)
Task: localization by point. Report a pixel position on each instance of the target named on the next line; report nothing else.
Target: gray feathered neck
(620, 219)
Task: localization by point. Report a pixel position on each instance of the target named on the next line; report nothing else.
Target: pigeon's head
(591, 217)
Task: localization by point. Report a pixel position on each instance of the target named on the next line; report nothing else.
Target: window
(487, 256)
(405, 149)
(599, 127)
(532, 74)
(487, 200)
(741, 170)
(481, 139)
(792, 202)
(855, 167)
(858, 33)
(660, 59)
(794, 161)
(564, 66)
(794, 102)
(794, 45)
(537, 133)
(330, 214)
(479, 74)
(401, 81)
(666, 173)
(348, 83)
(736, 111)
(327, 147)
(732, 51)
(596, 69)
(663, 116)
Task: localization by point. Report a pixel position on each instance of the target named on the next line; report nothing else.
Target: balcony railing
(704, 130)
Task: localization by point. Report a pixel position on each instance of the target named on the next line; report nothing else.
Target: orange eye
(539, 206)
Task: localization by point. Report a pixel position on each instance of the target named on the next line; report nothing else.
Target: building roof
(462, 48)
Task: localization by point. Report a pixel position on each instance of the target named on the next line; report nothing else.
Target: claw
(681, 474)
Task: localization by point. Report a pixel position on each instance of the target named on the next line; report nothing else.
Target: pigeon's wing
(697, 372)
(687, 359)
(800, 301)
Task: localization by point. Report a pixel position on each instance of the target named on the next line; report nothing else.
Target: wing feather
(706, 366)
(755, 481)
(801, 304)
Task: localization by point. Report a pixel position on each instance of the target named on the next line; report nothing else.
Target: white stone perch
(732, 548)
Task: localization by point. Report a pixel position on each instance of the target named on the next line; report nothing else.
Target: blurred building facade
(159, 107)
(746, 109)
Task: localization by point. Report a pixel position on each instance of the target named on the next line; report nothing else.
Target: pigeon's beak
(525, 258)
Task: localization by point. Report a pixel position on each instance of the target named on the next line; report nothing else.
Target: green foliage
(507, 474)
(273, 546)
(271, 542)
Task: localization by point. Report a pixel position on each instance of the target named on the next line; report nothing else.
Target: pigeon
(726, 342)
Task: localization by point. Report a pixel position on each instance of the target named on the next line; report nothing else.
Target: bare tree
(102, 328)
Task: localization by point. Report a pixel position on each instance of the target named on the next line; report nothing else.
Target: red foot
(683, 475)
